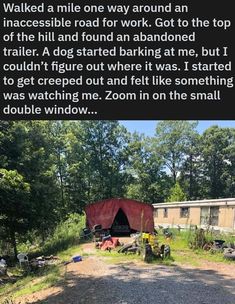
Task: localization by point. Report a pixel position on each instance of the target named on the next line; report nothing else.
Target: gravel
(93, 281)
(160, 284)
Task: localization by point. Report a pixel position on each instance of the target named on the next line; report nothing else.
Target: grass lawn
(182, 254)
(27, 284)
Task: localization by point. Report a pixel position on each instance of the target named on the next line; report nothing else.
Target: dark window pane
(184, 212)
(165, 212)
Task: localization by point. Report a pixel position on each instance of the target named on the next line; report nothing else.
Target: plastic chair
(23, 258)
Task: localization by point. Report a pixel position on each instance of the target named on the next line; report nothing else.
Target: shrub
(66, 234)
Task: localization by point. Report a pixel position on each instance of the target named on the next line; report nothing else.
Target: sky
(148, 126)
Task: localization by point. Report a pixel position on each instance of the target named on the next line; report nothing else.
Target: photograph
(117, 212)
(117, 152)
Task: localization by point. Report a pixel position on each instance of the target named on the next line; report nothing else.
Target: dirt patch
(226, 270)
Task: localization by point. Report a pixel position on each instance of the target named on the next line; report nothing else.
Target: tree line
(49, 169)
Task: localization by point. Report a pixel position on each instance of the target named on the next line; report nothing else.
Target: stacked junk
(145, 244)
(199, 241)
(228, 249)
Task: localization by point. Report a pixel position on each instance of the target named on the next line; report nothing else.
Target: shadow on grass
(157, 284)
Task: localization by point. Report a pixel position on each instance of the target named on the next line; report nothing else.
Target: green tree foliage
(147, 180)
(218, 153)
(106, 143)
(176, 194)
(38, 168)
(172, 141)
(15, 208)
(96, 158)
(191, 175)
(67, 164)
(28, 150)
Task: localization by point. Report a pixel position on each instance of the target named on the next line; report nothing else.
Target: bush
(66, 234)
(198, 239)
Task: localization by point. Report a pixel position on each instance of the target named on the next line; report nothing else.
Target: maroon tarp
(110, 243)
(104, 213)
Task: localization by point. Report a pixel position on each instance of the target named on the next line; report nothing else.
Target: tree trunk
(61, 178)
(174, 177)
(174, 168)
(13, 242)
(191, 177)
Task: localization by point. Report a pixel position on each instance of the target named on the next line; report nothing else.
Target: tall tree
(28, 150)
(41, 172)
(172, 139)
(191, 176)
(147, 180)
(96, 160)
(15, 213)
(218, 151)
(57, 137)
(78, 170)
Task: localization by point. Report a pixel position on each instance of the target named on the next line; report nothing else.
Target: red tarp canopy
(104, 213)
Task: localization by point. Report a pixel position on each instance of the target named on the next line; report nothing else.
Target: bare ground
(93, 281)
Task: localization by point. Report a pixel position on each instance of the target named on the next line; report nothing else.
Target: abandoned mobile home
(120, 216)
(217, 213)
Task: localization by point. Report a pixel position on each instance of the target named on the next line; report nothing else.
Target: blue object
(77, 258)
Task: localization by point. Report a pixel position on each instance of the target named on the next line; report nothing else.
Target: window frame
(211, 216)
(182, 215)
(165, 212)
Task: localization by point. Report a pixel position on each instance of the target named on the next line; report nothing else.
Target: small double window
(184, 212)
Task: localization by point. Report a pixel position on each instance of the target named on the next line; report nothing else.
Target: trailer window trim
(165, 212)
(184, 212)
(209, 215)
(155, 212)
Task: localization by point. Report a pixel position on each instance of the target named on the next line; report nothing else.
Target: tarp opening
(120, 224)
